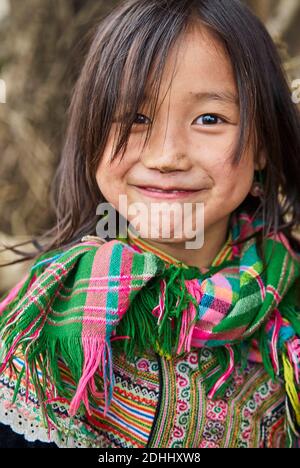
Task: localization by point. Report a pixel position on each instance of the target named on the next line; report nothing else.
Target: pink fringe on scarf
(162, 300)
(189, 315)
(274, 341)
(158, 310)
(226, 374)
(94, 355)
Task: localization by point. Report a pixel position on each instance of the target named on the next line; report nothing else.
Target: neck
(215, 237)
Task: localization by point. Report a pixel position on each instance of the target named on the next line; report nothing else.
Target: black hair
(131, 44)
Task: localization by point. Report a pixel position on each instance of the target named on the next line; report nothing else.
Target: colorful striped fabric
(141, 245)
(251, 413)
(81, 303)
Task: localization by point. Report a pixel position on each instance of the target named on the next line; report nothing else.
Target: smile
(166, 194)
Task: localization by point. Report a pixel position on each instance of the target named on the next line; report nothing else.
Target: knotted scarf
(80, 303)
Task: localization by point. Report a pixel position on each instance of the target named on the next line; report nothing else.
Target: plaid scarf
(80, 302)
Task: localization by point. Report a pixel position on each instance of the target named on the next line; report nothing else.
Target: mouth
(154, 192)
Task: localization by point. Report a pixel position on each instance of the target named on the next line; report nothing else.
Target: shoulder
(50, 266)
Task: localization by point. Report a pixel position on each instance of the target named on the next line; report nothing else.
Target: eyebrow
(222, 96)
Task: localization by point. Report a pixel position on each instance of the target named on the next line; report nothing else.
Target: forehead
(197, 68)
(198, 63)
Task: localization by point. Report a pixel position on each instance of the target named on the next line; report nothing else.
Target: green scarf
(74, 303)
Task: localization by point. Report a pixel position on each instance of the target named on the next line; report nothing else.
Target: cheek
(232, 184)
(109, 183)
(111, 178)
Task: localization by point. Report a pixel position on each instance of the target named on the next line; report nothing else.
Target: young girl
(138, 341)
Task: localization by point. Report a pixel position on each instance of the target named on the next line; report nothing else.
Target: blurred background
(42, 43)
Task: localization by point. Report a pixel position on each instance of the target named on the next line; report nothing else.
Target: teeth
(165, 191)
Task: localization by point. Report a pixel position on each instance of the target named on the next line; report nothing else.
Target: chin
(159, 235)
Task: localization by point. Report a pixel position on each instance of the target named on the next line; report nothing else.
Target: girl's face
(191, 145)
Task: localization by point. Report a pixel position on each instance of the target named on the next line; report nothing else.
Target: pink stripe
(293, 348)
(161, 301)
(212, 316)
(111, 288)
(287, 245)
(200, 334)
(95, 304)
(93, 355)
(273, 291)
(226, 374)
(257, 277)
(189, 315)
(125, 279)
(97, 351)
(274, 340)
(37, 287)
(112, 277)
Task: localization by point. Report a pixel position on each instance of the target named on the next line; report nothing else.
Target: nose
(169, 156)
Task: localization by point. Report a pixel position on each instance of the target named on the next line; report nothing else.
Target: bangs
(141, 77)
(138, 77)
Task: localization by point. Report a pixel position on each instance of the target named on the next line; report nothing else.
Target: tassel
(264, 348)
(163, 301)
(138, 324)
(159, 311)
(23, 327)
(274, 340)
(293, 348)
(28, 333)
(189, 316)
(225, 376)
(95, 353)
(180, 305)
(290, 386)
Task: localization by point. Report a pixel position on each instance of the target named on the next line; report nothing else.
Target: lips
(165, 193)
(167, 189)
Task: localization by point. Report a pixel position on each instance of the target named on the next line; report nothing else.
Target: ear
(261, 161)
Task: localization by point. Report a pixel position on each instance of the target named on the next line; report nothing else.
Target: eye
(208, 119)
(211, 119)
(140, 119)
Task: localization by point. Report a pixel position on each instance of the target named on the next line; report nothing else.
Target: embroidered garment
(159, 402)
(62, 322)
